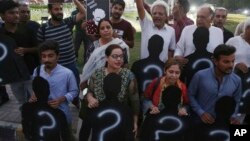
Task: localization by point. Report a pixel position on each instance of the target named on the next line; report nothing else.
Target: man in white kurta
(242, 45)
(156, 26)
(185, 45)
(242, 50)
(148, 30)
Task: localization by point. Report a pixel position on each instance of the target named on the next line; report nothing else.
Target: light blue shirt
(204, 90)
(62, 82)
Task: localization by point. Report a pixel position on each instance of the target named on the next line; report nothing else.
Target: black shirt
(227, 34)
(13, 68)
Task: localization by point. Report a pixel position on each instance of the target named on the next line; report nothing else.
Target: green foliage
(233, 20)
(231, 4)
(37, 6)
(42, 6)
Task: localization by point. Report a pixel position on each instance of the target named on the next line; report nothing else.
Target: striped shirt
(62, 34)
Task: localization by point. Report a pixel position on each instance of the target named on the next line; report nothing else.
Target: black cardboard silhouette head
(155, 45)
(112, 86)
(224, 107)
(201, 38)
(171, 97)
(246, 105)
(41, 89)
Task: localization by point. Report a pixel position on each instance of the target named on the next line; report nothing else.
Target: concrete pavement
(10, 120)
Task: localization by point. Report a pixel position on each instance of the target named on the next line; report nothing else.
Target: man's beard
(227, 71)
(58, 17)
(48, 65)
(116, 16)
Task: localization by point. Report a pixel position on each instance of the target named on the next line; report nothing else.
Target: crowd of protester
(186, 69)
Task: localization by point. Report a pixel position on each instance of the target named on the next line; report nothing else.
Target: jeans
(81, 37)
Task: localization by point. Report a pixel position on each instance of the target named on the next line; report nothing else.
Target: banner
(96, 10)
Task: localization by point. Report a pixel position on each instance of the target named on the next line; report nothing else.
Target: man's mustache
(47, 63)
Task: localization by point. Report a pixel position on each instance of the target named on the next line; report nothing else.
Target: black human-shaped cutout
(147, 69)
(224, 108)
(112, 86)
(111, 112)
(201, 58)
(171, 98)
(151, 127)
(245, 99)
(39, 120)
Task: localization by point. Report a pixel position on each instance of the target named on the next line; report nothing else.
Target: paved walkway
(10, 120)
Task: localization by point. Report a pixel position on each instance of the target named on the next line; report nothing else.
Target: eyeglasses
(116, 56)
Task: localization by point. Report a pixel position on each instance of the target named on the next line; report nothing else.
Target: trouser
(81, 37)
(85, 130)
(22, 90)
(78, 41)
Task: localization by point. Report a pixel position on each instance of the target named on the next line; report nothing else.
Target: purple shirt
(179, 25)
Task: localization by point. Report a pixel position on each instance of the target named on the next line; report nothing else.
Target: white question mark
(245, 92)
(5, 51)
(197, 62)
(53, 122)
(212, 133)
(118, 120)
(145, 70)
(172, 118)
(244, 95)
(248, 80)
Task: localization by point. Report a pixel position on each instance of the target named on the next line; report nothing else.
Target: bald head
(205, 16)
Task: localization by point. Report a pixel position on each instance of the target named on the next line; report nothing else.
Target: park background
(10, 118)
(238, 12)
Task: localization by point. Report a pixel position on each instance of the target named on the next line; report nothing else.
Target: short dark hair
(50, 5)
(185, 4)
(223, 49)
(7, 5)
(49, 45)
(110, 48)
(119, 2)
